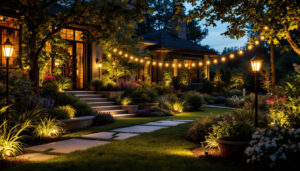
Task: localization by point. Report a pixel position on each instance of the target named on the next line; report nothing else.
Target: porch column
(206, 67)
(96, 56)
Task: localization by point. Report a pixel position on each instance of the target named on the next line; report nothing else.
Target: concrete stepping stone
(164, 123)
(139, 129)
(100, 135)
(123, 136)
(68, 146)
(35, 157)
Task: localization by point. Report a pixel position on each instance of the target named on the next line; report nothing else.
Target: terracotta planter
(231, 148)
(148, 105)
(130, 108)
(110, 94)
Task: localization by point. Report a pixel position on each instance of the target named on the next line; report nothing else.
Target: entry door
(74, 68)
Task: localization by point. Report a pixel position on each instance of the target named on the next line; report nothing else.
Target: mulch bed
(11, 163)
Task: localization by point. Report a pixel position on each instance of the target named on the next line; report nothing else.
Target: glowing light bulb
(179, 65)
(173, 65)
(262, 38)
(148, 62)
(231, 56)
(142, 61)
(193, 64)
(109, 55)
(167, 64)
(207, 62)
(185, 65)
(250, 47)
(153, 63)
(215, 61)
(266, 28)
(160, 64)
(200, 63)
(115, 50)
(120, 52)
(56, 64)
(256, 42)
(126, 55)
(131, 57)
(136, 59)
(223, 59)
(241, 52)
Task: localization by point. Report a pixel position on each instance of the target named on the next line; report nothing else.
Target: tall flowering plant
(49, 78)
(274, 147)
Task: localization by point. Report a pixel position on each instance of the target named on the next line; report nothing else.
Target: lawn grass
(165, 149)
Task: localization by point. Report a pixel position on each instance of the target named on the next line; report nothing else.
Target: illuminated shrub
(63, 112)
(48, 127)
(125, 101)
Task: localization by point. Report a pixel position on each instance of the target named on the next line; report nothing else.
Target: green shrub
(126, 101)
(63, 112)
(63, 83)
(97, 83)
(48, 127)
(83, 109)
(49, 90)
(142, 95)
(193, 100)
(200, 129)
(207, 87)
(177, 106)
(235, 101)
(63, 99)
(103, 118)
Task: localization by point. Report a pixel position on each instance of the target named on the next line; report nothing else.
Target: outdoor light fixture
(167, 64)
(136, 59)
(99, 65)
(8, 49)
(256, 63)
(131, 57)
(142, 61)
(154, 63)
(200, 63)
(109, 55)
(179, 65)
(262, 37)
(231, 56)
(173, 65)
(115, 50)
(185, 65)
(223, 59)
(215, 61)
(148, 62)
(241, 52)
(120, 52)
(193, 64)
(126, 55)
(160, 64)
(266, 28)
(256, 42)
(56, 64)
(207, 62)
(250, 47)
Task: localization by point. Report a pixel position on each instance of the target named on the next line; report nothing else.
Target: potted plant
(231, 137)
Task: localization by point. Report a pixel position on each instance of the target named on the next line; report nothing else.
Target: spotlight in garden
(256, 63)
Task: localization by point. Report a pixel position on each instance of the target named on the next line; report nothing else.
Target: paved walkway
(95, 139)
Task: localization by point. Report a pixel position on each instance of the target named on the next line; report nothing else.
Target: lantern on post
(8, 49)
(256, 63)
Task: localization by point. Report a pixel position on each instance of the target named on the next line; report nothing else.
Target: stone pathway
(95, 139)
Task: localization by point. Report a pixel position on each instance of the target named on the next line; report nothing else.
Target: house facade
(168, 50)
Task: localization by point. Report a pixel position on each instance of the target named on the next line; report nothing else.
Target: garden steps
(100, 103)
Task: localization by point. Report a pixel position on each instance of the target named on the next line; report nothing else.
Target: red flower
(49, 78)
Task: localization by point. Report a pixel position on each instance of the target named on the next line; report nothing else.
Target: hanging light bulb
(148, 62)
(120, 52)
(241, 52)
(115, 50)
(131, 58)
(250, 47)
(200, 63)
(266, 28)
(126, 55)
(215, 61)
(179, 65)
(167, 65)
(154, 63)
(142, 61)
(160, 64)
(136, 59)
(185, 65)
(109, 55)
(231, 56)
(193, 64)
(223, 59)
(256, 42)
(262, 38)
(207, 62)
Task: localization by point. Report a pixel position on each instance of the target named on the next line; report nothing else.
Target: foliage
(48, 127)
(220, 100)
(207, 86)
(126, 101)
(171, 103)
(49, 90)
(145, 94)
(167, 77)
(10, 138)
(266, 79)
(235, 101)
(231, 130)
(83, 109)
(63, 83)
(275, 147)
(97, 83)
(237, 81)
(62, 99)
(193, 100)
(63, 112)
(155, 111)
(177, 106)
(103, 118)
(201, 128)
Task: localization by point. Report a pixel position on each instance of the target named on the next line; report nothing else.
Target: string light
(173, 65)
(215, 61)
(109, 55)
(160, 64)
(223, 59)
(262, 37)
(200, 63)
(193, 64)
(207, 62)
(131, 58)
(185, 65)
(120, 52)
(115, 50)
(126, 55)
(154, 63)
(241, 52)
(256, 42)
(167, 64)
(250, 47)
(142, 61)
(179, 65)
(231, 56)
(136, 59)
(148, 62)
(56, 63)
(266, 28)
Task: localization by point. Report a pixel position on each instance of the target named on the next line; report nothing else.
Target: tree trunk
(34, 66)
(293, 44)
(273, 65)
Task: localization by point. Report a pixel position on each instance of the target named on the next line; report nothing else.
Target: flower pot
(231, 148)
(110, 94)
(130, 108)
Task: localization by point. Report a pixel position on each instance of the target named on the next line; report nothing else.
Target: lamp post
(256, 63)
(100, 73)
(7, 53)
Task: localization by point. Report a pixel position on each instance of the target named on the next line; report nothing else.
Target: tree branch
(289, 38)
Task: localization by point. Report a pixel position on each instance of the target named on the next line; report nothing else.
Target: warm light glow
(126, 55)
(207, 62)
(231, 56)
(266, 28)
(223, 59)
(262, 38)
(200, 63)
(120, 52)
(193, 64)
(215, 61)
(142, 61)
(173, 65)
(167, 64)
(114, 63)
(8, 49)
(256, 63)
(56, 63)
(109, 55)
(179, 65)
(115, 50)
(250, 47)
(185, 65)
(1, 18)
(148, 62)
(99, 65)
(131, 57)
(241, 52)
(136, 59)
(160, 64)
(153, 63)
(256, 42)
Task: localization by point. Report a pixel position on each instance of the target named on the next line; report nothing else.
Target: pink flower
(49, 78)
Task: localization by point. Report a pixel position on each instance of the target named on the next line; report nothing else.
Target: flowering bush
(275, 100)
(274, 146)
(235, 101)
(49, 78)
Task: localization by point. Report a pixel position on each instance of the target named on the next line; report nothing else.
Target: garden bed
(78, 122)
